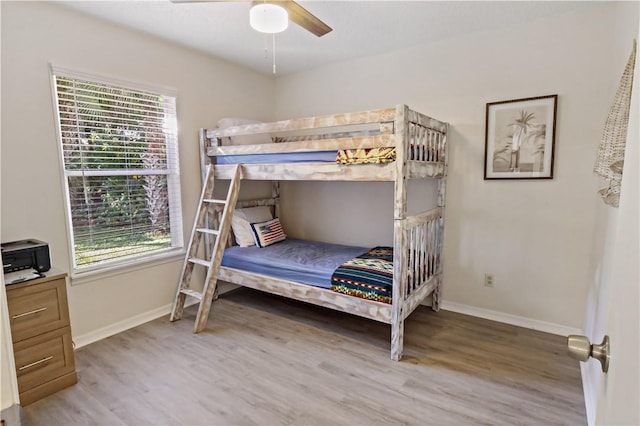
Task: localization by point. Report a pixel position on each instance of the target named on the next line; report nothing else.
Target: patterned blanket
(378, 155)
(369, 276)
(366, 156)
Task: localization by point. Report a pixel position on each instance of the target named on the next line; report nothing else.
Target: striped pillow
(267, 233)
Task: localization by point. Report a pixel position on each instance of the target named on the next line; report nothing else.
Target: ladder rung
(199, 261)
(214, 201)
(208, 231)
(191, 293)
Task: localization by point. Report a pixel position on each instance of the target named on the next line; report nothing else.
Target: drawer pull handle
(28, 313)
(33, 364)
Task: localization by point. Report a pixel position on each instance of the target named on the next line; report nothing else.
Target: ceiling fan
(296, 14)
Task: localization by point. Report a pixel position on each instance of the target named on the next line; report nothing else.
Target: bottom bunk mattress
(306, 262)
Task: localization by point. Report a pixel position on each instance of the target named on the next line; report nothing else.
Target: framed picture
(520, 138)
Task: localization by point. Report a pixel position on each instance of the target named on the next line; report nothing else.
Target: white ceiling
(360, 28)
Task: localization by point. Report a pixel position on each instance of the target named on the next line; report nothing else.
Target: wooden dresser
(41, 334)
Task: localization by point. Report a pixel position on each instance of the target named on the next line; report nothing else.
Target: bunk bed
(410, 146)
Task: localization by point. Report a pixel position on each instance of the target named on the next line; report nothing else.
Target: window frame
(135, 261)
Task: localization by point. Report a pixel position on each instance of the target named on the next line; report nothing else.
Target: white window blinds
(120, 158)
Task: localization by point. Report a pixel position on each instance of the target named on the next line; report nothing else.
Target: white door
(618, 392)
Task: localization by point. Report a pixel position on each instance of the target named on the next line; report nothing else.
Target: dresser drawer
(37, 309)
(43, 358)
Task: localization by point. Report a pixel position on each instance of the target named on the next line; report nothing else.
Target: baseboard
(120, 326)
(134, 321)
(525, 322)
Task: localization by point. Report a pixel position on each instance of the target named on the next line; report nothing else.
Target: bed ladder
(198, 236)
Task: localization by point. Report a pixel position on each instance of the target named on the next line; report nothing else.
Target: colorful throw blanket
(366, 156)
(369, 276)
(381, 155)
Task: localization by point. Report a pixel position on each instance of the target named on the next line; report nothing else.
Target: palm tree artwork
(520, 128)
(525, 134)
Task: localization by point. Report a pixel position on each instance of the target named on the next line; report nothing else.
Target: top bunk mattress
(287, 157)
(306, 262)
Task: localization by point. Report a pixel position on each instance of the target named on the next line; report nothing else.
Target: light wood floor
(270, 361)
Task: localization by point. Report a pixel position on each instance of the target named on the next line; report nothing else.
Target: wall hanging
(610, 159)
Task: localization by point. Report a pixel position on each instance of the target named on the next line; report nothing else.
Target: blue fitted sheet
(306, 262)
(287, 157)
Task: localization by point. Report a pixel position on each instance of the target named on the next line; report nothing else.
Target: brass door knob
(581, 349)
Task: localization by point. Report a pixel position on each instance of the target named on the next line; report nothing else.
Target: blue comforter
(307, 262)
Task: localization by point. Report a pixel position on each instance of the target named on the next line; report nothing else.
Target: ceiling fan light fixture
(268, 18)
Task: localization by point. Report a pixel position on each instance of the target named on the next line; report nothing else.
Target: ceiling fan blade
(301, 16)
(306, 19)
(297, 14)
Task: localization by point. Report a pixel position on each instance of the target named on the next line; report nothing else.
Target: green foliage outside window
(115, 157)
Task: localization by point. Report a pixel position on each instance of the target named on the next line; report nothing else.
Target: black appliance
(25, 254)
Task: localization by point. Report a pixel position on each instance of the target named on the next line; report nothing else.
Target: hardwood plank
(264, 359)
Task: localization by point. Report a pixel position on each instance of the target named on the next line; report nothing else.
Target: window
(120, 159)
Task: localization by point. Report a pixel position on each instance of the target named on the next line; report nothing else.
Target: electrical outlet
(488, 280)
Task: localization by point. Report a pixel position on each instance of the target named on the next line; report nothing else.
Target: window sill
(78, 278)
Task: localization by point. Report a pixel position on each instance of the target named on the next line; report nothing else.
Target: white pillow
(246, 139)
(242, 220)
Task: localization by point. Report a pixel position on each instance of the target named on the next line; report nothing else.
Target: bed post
(399, 237)
(442, 187)
(212, 219)
(275, 194)
(204, 158)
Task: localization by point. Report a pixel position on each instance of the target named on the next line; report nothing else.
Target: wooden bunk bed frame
(421, 153)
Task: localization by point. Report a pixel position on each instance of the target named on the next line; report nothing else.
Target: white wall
(534, 236)
(36, 33)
